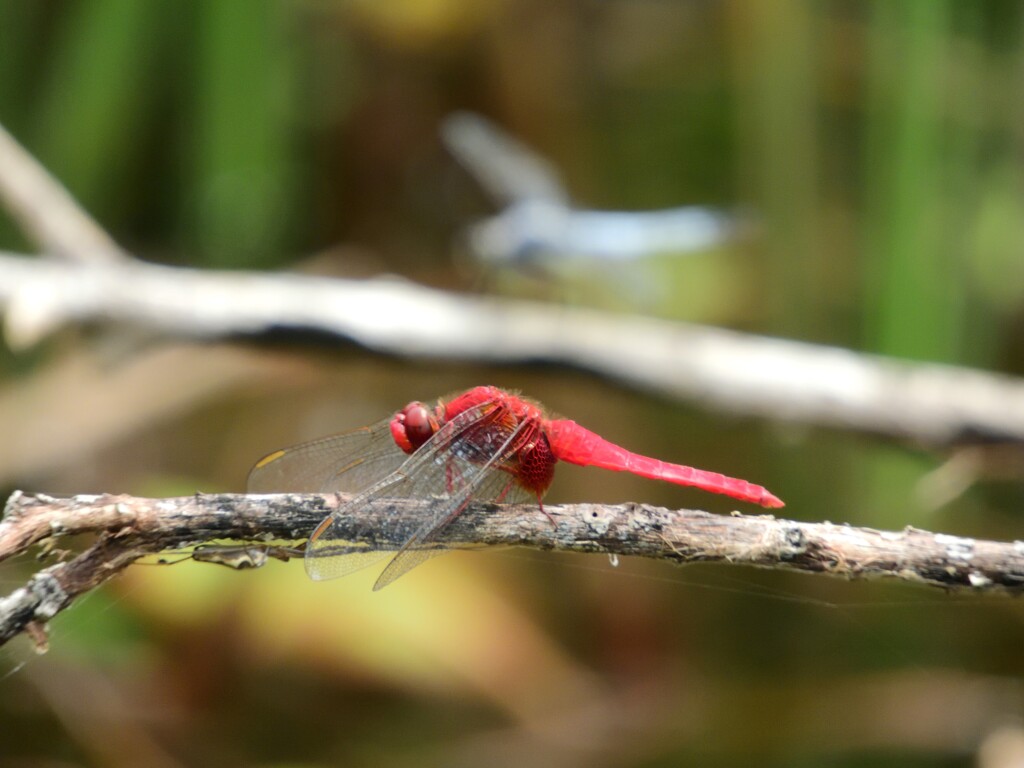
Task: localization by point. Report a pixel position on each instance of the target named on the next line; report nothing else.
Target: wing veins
(411, 555)
(413, 552)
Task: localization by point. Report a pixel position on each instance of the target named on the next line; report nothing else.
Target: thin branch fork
(128, 528)
(47, 212)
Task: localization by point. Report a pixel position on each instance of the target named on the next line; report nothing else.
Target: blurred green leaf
(911, 293)
(239, 149)
(98, 91)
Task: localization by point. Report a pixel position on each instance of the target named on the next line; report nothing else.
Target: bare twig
(789, 381)
(45, 210)
(129, 528)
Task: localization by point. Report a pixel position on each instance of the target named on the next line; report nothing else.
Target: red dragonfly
(485, 444)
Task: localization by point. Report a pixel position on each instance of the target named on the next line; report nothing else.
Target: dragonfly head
(413, 426)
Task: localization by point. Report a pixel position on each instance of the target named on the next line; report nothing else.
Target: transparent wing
(489, 485)
(507, 169)
(471, 457)
(348, 463)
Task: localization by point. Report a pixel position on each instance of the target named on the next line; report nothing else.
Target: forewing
(452, 468)
(490, 485)
(349, 463)
(507, 169)
(331, 552)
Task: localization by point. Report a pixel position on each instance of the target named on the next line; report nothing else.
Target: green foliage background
(878, 148)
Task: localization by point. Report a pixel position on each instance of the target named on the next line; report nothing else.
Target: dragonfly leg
(504, 492)
(545, 513)
(501, 497)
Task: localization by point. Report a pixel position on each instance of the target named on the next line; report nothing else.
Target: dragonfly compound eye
(413, 426)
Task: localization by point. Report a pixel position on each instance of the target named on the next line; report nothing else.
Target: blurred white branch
(735, 372)
(743, 374)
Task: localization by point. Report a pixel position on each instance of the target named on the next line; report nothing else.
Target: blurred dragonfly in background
(539, 227)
